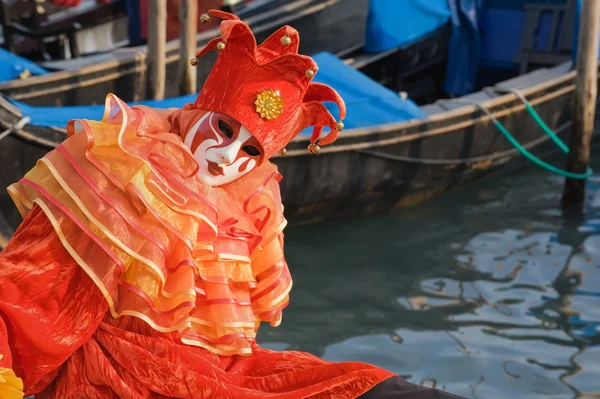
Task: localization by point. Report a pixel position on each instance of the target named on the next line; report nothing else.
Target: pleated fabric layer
(182, 256)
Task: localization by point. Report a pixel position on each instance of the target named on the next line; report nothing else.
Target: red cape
(80, 312)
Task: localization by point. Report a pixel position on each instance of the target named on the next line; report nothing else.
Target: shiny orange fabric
(204, 261)
(66, 346)
(130, 277)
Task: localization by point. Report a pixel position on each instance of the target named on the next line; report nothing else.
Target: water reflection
(489, 292)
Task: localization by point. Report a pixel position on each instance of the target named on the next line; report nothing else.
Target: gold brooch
(269, 104)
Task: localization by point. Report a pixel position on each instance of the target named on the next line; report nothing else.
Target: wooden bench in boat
(559, 48)
(522, 82)
(27, 25)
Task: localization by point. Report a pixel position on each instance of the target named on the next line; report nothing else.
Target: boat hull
(401, 167)
(332, 25)
(375, 169)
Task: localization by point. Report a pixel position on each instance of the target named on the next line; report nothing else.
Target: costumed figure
(152, 246)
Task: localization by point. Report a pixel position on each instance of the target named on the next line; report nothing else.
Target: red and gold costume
(130, 278)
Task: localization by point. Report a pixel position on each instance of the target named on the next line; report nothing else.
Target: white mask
(224, 149)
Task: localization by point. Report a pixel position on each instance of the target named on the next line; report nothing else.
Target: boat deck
(520, 82)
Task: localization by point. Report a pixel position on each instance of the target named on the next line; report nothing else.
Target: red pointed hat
(267, 88)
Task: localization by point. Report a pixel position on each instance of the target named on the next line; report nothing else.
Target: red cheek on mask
(244, 164)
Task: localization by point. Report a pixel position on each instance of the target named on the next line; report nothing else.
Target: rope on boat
(522, 149)
(535, 116)
(457, 161)
(15, 127)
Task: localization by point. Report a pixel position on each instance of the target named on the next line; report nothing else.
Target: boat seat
(446, 105)
(560, 39)
(464, 101)
(520, 82)
(523, 81)
(537, 76)
(478, 97)
(432, 109)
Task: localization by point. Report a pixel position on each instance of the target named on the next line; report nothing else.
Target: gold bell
(205, 18)
(310, 73)
(221, 46)
(339, 126)
(313, 148)
(194, 62)
(282, 152)
(286, 40)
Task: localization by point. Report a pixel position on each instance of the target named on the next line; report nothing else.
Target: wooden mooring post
(157, 39)
(188, 27)
(584, 101)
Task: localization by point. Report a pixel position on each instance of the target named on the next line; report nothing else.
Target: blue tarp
(501, 36)
(464, 47)
(60, 116)
(503, 21)
(393, 23)
(11, 66)
(368, 102)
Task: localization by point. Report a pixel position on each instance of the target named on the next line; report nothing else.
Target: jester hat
(267, 88)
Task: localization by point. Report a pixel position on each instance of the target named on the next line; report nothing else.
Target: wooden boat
(386, 165)
(375, 169)
(330, 25)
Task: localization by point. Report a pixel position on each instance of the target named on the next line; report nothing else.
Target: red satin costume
(129, 278)
(55, 332)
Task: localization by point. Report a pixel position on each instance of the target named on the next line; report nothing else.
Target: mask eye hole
(226, 129)
(251, 150)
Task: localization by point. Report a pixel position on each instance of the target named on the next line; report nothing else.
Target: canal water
(488, 292)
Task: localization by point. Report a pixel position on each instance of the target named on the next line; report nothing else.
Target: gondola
(393, 153)
(324, 25)
(41, 30)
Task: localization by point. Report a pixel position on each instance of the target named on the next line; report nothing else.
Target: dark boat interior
(442, 49)
(41, 31)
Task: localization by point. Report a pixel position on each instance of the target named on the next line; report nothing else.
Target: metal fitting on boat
(25, 74)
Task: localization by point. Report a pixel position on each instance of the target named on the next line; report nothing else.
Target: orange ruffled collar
(122, 196)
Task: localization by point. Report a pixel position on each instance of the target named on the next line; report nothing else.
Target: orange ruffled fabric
(78, 350)
(182, 256)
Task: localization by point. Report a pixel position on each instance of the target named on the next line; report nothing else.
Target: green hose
(547, 129)
(538, 161)
(550, 134)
